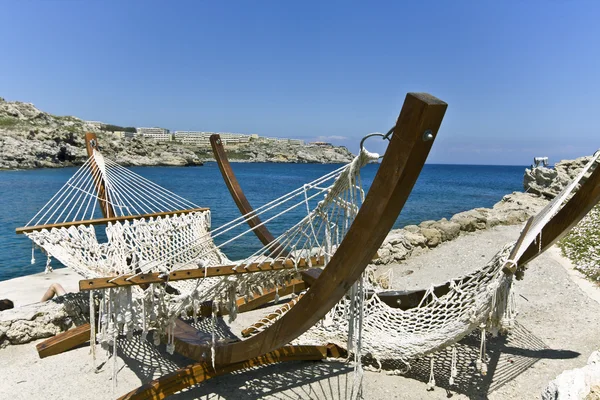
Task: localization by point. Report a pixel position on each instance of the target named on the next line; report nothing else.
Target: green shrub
(8, 122)
(582, 245)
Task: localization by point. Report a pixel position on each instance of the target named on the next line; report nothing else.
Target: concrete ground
(558, 327)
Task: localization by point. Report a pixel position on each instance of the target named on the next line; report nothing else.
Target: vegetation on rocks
(582, 245)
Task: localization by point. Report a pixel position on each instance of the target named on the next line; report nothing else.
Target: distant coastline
(31, 139)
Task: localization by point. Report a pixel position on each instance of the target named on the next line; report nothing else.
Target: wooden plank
(195, 273)
(64, 341)
(261, 231)
(104, 221)
(510, 268)
(294, 286)
(567, 217)
(196, 373)
(254, 328)
(91, 144)
(421, 115)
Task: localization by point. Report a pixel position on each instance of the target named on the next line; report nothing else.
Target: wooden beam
(104, 221)
(415, 131)
(261, 231)
(91, 144)
(567, 217)
(196, 373)
(510, 268)
(64, 341)
(196, 273)
(294, 286)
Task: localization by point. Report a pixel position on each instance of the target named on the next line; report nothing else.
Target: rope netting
(361, 321)
(169, 243)
(483, 299)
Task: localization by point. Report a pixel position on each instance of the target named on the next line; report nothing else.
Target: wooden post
(261, 231)
(91, 144)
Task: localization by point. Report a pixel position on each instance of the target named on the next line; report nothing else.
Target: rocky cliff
(548, 182)
(30, 138)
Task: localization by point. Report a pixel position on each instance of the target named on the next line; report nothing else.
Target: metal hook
(386, 136)
(368, 136)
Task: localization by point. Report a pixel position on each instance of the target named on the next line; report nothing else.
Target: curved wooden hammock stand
(403, 161)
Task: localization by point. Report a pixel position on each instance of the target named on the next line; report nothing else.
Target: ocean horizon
(441, 191)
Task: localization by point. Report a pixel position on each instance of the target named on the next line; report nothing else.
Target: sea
(440, 192)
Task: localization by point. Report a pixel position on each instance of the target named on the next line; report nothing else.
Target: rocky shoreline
(31, 138)
(540, 185)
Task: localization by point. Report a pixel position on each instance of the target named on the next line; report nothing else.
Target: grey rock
(449, 230)
(395, 247)
(548, 182)
(466, 223)
(575, 384)
(412, 228)
(415, 239)
(41, 320)
(433, 236)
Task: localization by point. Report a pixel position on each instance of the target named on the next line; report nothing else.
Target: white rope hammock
(482, 299)
(172, 242)
(360, 322)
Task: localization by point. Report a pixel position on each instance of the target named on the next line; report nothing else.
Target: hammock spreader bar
(198, 273)
(105, 221)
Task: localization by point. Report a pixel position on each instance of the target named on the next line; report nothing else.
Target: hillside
(31, 138)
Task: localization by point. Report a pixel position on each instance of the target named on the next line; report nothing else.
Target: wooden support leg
(64, 341)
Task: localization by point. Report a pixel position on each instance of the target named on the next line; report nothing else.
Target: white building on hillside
(193, 137)
(158, 134)
(199, 138)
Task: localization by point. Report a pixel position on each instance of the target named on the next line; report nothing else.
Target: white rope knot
(431, 383)
(48, 266)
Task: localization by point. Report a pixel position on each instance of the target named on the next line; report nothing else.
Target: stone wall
(513, 209)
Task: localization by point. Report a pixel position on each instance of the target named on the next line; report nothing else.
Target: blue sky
(521, 78)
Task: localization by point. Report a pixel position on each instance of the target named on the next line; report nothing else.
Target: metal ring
(368, 136)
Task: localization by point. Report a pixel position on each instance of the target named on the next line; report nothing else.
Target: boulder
(549, 182)
(415, 239)
(41, 320)
(576, 384)
(412, 228)
(448, 229)
(427, 224)
(395, 248)
(432, 236)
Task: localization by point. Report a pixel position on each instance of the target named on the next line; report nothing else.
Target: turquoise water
(441, 191)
